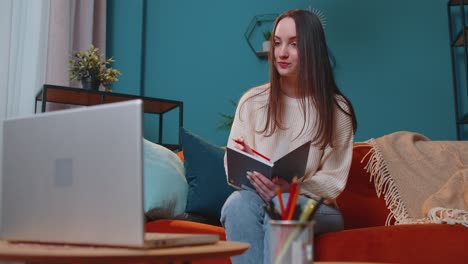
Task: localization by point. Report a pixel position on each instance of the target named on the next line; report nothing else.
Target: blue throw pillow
(206, 177)
(165, 186)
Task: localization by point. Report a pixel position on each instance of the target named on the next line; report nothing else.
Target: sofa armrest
(358, 202)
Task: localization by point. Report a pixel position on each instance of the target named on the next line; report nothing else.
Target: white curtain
(23, 53)
(25, 43)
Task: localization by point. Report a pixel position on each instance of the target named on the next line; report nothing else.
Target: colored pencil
(292, 191)
(294, 202)
(280, 200)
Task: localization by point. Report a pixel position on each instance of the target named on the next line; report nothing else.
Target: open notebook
(76, 177)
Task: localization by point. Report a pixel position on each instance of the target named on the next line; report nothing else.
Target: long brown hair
(316, 80)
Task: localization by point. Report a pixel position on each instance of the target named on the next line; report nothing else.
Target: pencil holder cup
(291, 242)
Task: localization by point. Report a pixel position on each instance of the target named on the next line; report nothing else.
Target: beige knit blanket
(422, 181)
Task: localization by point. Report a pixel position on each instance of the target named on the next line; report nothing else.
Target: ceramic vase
(90, 84)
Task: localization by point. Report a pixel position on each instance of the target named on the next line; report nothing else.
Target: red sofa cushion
(359, 198)
(425, 243)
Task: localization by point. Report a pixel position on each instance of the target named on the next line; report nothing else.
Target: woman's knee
(328, 219)
(241, 204)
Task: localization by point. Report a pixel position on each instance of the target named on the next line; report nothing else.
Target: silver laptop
(76, 177)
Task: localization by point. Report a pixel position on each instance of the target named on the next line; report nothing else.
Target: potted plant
(91, 69)
(226, 120)
(266, 43)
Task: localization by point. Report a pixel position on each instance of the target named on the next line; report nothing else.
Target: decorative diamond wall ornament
(255, 31)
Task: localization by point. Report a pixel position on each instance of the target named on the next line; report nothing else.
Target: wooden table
(42, 253)
(81, 97)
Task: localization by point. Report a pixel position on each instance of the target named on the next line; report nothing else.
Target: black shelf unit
(81, 97)
(458, 30)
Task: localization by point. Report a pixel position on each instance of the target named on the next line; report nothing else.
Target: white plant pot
(266, 45)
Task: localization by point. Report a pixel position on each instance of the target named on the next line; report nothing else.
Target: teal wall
(393, 60)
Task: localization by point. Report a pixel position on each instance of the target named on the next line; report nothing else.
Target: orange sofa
(365, 238)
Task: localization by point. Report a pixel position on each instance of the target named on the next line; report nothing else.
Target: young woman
(300, 103)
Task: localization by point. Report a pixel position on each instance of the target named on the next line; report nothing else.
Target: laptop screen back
(75, 176)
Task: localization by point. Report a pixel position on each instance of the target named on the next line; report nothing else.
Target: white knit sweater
(327, 170)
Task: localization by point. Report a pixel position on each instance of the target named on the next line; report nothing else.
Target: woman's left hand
(264, 186)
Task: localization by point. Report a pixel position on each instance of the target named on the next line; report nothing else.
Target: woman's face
(285, 48)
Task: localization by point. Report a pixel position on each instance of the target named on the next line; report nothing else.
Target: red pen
(254, 151)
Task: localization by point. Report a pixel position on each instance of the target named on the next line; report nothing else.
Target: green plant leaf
(225, 123)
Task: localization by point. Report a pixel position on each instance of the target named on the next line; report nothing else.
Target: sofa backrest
(358, 202)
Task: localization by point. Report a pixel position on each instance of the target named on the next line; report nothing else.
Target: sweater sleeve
(330, 178)
(240, 127)
(236, 129)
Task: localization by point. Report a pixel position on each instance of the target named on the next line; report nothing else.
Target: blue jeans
(245, 220)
